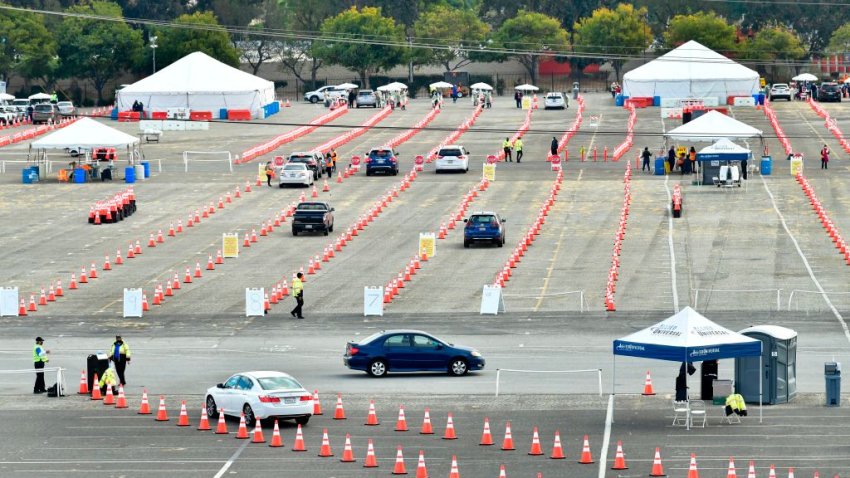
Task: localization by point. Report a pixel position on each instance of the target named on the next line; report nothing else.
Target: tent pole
(687, 394)
(613, 386)
(761, 383)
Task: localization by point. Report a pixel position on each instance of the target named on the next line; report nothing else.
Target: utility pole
(410, 62)
(153, 48)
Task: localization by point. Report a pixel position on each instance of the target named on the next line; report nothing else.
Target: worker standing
(518, 149)
(298, 293)
(333, 160)
(553, 148)
(506, 147)
(120, 356)
(269, 173)
(329, 164)
(646, 155)
(39, 358)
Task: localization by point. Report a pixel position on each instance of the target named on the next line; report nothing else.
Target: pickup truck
(313, 216)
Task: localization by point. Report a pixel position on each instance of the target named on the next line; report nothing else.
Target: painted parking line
(232, 459)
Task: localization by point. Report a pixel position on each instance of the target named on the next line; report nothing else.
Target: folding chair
(698, 413)
(680, 413)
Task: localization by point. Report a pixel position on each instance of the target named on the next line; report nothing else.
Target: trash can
(659, 166)
(222, 113)
(722, 389)
(147, 166)
(130, 174)
(656, 101)
(832, 374)
(79, 175)
(96, 363)
(766, 165)
(140, 171)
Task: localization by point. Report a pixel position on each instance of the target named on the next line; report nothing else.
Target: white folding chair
(680, 413)
(698, 413)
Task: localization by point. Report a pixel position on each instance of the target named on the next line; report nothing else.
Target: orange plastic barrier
(205, 115)
(238, 115)
(124, 116)
(159, 115)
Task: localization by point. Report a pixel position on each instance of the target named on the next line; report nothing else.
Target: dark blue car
(382, 160)
(410, 351)
(486, 227)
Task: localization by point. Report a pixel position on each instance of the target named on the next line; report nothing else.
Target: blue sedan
(410, 351)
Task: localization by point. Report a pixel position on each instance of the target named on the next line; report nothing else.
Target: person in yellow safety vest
(298, 293)
(269, 173)
(120, 356)
(39, 358)
(110, 378)
(506, 147)
(735, 404)
(518, 149)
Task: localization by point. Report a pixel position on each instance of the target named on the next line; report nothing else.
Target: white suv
(452, 158)
(8, 114)
(319, 95)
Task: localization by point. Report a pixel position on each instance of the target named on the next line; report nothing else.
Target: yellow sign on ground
(796, 164)
(489, 172)
(261, 171)
(526, 102)
(230, 245)
(428, 243)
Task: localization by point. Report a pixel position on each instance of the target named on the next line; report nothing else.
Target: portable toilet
(778, 366)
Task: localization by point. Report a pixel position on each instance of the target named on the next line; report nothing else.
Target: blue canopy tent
(686, 337)
(720, 153)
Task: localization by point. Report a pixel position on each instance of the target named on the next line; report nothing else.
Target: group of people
(509, 147)
(615, 89)
(483, 97)
(138, 107)
(119, 355)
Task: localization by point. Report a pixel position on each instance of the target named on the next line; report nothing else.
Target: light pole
(153, 46)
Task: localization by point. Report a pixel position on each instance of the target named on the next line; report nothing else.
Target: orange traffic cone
(183, 419)
(557, 449)
(454, 473)
(121, 402)
(277, 441)
(730, 471)
(339, 413)
(95, 389)
(298, 445)
(772, 472)
(486, 437)
(647, 386)
(204, 424)
(620, 458)
(401, 423)
(347, 453)
(325, 450)
(791, 473)
(502, 473)
(426, 424)
(535, 444)
(221, 427)
(315, 193)
(372, 418)
(421, 470)
(110, 397)
(161, 414)
(450, 429)
(751, 472)
(22, 309)
(585, 459)
(508, 442)
(84, 384)
(692, 469)
(242, 433)
(371, 460)
(144, 408)
(399, 469)
(317, 405)
(258, 433)
(325, 187)
(657, 467)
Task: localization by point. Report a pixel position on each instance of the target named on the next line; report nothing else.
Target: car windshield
(64, 103)
(365, 93)
(483, 219)
(553, 96)
(300, 157)
(450, 152)
(831, 88)
(381, 153)
(21, 102)
(780, 86)
(278, 383)
(295, 167)
(44, 108)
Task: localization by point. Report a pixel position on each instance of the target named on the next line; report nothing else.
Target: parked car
(410, 351)
(320, 94)
(383, 160)
(313, 217)
(44, 112)
(312, 159)
(8, 114)
(366, 98)
(779, 91)
(555, 100)
(21, 105)
(294, 173)
(66, 108)
(265, 394)
(829, 92)
(452, 158)
(484, 226)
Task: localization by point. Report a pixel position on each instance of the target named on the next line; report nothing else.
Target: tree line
(99, 40)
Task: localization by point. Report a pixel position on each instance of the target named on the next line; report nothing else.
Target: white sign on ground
(373, 301)
(9, 301)
(132, 302)
(492, 301)
(254, 298)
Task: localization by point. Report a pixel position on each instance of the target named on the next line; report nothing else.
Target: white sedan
(555, 100)
(452, 158)
(261, 395)
(295, 173)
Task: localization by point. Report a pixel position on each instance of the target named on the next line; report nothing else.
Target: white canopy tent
(691, 71)
(724, 149)
(85, 133)
(441, 84)
(39, 96)
(805, 77)
(198, 82)
(347, 86)
(711, 127)
(394, 86)
(526, 87)
(481, 86)
(6, 97)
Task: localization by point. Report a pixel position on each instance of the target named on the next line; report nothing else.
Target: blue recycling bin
(656, 101)
(147, 166)
(28, 176)
(222, 113)
(766, 165)
(659, 166)
(761, 99)
(832, 375)
(620, 100)
(114, 114)
(79, 175)
(129, 174)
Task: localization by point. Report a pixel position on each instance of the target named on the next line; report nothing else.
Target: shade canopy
(691, 71)
(394, 86)
(200, 83)
(711, 127)
(724, 150)
(39, 96)
(687, 336)
(347, 86)
(481, 86)
(805, 77)
(6, 97)
(441, 84)
(85, 133)
(526, 87)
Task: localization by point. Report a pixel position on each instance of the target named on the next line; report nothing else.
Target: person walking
(454, 93)
(646, 155)
(120, 356)
(518, 98)
(518, 149)
(39, 358)
(824, 158)
(269, 173)
(671, 158)
(553, 148)
(506, 147)
(298, 293)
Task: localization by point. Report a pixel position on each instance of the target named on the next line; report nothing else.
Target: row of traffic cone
(456, 134)
(534, 230)
(406, 135)
(354, 133)
(573, 129)
(289, 136)
(830, 227)
(107, 210)
(627, 143)
(830, 124)
(774, 122)
(613, 272)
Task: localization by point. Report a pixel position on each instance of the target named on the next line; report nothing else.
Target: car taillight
(269, 399)
(353, 350)
(393, 160)
(368, 160)
(439, 156)
(305, 398)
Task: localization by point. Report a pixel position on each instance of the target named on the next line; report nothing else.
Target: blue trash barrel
(79, 175)
(114, 114)
(659, 166)
(222, 113)
(766, 165)
(147, 166)
(26, 176)
(619, 100)
(130, 174)
(656, 101)
(761, 99)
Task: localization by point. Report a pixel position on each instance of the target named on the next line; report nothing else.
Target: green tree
(532, 34)
(705, 28)
(453, 28)
(776, 46)
(615, 35)
(27, 48)
(206, 36)
(361, 28)
(97, 49)
(839, 42)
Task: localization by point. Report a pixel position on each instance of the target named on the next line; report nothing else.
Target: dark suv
(313, 160)
(382, 160)
(484, 226)
(829, 92)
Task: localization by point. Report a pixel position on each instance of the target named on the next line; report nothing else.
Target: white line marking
(670, 245)
(606, 438)
(233, 458)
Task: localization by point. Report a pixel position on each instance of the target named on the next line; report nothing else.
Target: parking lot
(754, 255)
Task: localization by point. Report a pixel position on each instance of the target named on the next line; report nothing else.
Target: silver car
(294, 173)
(262, 395)
(66, 108)
(366, 98)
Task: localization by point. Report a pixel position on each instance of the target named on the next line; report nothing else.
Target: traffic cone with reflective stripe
(298, 444)
(183, 419)
(204, 424)
(421, 470)
(692, 469)
(508, 441)
(557, 449)
(657, 467)
(620, 458)
(347, 452)
(317, 405)
(161, 414)
(84, 384)
(339, 413)
(372, 418)
(730, 471)
(110, 397)
(426, 424)
(22, 309)
(95, 389)
(450, 429)
(486, 437)
(371, 460)
(401, 423)
(277, 441)
(751, 472)
(772, 472)
(585, 459)
(647, 385)
(221, 427)
(399, 469)
(790, 472)
(502, 473)
(242, 432)
(121, 401)
(535, 444)
(454, 473)
(258, 433)
(325, 450)
(144, 408)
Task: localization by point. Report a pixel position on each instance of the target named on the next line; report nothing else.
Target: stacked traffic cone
(95, 389)
(586, 458)
(144, 408)
(242, 433)
(692, 469)
(372, 418)
(450, 429)
(204, 424)
(277, 441)
(258, 433)
(325, 450)
(426, 424)
(508, 441)
(401, 423)
(339, 413)
(161, 414)
(535, 444)
(557, 448)
(647, 386)
(84, 384)
(454, 473)
(371, 459)
(486, 437)
(110, 397)
(620, 458)
(221, 427)
(121, 402)
(183, 419)
(347, 452)
(317, 405)
(399, 469)
(421, 470)
(657, 467)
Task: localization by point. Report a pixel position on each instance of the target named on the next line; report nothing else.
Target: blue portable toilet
(778, 362)
(147, 166)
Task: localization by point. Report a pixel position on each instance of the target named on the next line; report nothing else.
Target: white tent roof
(724, 146)
(39, 96)
(85, 133)
(713, 126)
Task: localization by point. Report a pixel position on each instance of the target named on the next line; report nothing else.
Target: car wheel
(314, 99)
(368, 173)
(458, 367)
(331, 229)
(280, 185)
(249, 414)
(378, 368)
(302, 420)
(466, 243)
(500, 242)
(212, 409)
(294, 232)
(326, 232)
